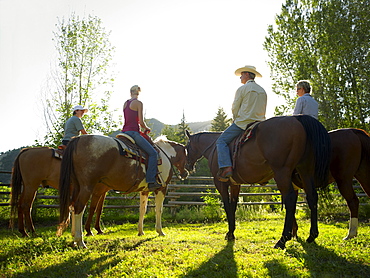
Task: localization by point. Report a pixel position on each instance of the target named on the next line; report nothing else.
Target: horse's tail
(318, 138)
(65, 183)
(16, 188)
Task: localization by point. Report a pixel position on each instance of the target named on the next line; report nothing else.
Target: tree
(84, 57)
(220, 122)
(328, 43)
(181, 127)
(171, 133)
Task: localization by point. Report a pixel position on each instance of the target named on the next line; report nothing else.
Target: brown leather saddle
(130, 149)
(239, 141)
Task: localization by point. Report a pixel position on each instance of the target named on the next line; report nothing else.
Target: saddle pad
(125, 148)
(248, 133)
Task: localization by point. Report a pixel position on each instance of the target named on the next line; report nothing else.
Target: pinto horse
(278, 146)
(350, 158)
(93, 159)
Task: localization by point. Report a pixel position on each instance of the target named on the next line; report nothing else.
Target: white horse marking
(78, 237)
(353, 227)
(165, 146)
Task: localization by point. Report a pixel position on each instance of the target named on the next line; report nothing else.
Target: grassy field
(189, 250)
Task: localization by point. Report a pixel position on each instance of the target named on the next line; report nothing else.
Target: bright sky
(182, 53)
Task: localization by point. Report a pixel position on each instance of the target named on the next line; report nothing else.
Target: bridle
(172, 166)
(188, 148)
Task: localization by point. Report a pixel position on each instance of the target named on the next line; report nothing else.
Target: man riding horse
(249, 106)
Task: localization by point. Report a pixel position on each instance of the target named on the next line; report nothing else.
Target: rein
(206, 149)
(173, 167)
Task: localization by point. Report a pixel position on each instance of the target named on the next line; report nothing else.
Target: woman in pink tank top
(134, 119)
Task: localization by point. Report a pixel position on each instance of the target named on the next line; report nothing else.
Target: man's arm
(298, 107)
(236, 104)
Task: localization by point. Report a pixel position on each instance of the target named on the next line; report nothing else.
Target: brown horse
(93, 159)
(350, 158)
(35, 166)
(278, 146)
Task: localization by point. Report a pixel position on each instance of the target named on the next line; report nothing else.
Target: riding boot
(224, 174)
(153, 186)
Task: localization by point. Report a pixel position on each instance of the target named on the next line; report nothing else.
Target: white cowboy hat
(251, 69)
(80, 107)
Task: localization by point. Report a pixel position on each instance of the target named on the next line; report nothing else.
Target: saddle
(241, 140)
(130, 149)
(58, 153)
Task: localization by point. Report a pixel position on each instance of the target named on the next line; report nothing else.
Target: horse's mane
(197, 135)
(163, 138)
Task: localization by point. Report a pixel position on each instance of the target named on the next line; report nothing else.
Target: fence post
(173, 209)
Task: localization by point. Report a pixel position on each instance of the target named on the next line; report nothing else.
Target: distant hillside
(200, 126)
(157, 126)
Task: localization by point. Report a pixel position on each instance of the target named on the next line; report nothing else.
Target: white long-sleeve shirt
(249, 104)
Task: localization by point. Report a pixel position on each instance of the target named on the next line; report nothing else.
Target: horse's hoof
(230, 237)
(350, 236)
(311, 239)
(89, 234)
(100, 233)
(279, 245)
(80, 244)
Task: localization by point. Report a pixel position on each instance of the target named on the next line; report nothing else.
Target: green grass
(189, 250)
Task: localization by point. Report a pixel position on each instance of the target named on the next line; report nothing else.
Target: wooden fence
(192, 192)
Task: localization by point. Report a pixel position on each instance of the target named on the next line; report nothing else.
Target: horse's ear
(187, 133)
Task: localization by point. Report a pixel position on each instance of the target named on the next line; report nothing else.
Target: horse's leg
(96, 206)
(230, 202)
(295, 224)
(93, 205)
(99, 211)
(78, 236)
(159, 198)
(346, 190)
(24, 211)
(79, 208)
(312, 199)
(142, 211)
(289, 197)
(73, 220)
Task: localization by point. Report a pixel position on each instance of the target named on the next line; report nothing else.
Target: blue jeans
(223, 151)
(152, 153)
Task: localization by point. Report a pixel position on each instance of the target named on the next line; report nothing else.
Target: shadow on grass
(75, 267)
(319, 262)
(80, 264)
(221, 264)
